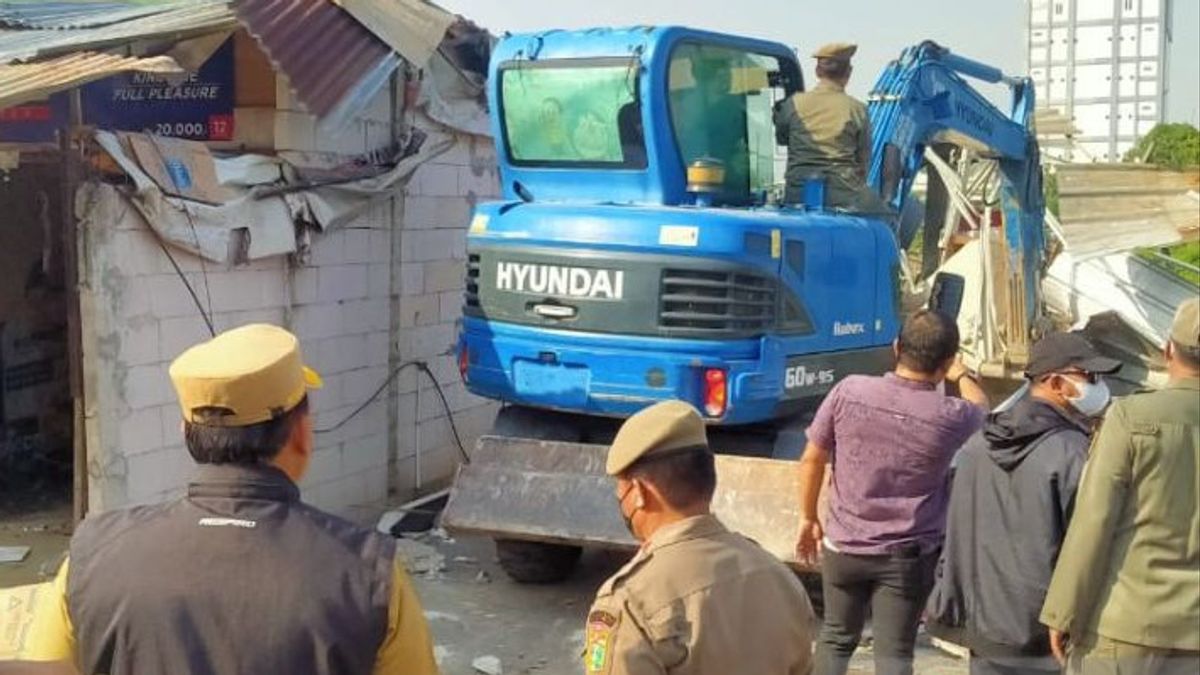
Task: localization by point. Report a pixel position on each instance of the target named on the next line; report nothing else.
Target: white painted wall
(384, 289)
(1084, 54)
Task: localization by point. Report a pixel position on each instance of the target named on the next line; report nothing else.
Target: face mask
(1092, 398)
(627, 518)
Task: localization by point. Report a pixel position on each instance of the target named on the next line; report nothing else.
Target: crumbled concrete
(488, 665)
(420, 558)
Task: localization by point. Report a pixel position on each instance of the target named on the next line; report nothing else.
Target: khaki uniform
(698, 599)
(828, 133)
(1129, 573)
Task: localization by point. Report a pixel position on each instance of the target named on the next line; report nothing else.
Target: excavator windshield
(573, 114)
(721, 103)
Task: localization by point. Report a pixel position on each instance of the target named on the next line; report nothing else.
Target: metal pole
(989, 291)
(395, 211)
(73, 284)
(417, 439)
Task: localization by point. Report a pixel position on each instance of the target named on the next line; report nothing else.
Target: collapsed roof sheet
(325, 52)
(1106, 208)
(20, 83)
(413, 28)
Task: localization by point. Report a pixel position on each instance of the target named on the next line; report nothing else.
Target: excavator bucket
(558, 493)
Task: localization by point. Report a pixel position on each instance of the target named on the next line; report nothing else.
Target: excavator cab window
(721, 102)
(573, 114)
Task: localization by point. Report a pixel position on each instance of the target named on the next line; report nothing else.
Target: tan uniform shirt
(828, 133)
(1130, 565)
(698, 599)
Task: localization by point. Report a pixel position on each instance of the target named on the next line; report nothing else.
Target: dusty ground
(474, 610)
(46, 532)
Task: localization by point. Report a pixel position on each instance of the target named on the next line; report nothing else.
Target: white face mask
(1092, 398)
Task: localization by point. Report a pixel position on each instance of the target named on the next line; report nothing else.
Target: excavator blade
(557, 492)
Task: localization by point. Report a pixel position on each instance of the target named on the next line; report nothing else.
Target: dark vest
(237, 578)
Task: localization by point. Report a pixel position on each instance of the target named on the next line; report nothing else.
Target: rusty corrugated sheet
(326, 53)
(20, 83)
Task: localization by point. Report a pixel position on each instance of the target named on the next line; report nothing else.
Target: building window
(1058, 8)
(1128, 5)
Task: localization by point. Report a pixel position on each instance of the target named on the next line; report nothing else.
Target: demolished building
(184, 167)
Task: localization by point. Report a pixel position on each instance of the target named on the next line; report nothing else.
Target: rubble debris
(420, 558)
(13, 554)
(434, 615)
(483, 577)
(415, 517)
(488, 665)
(952, 649)
(441, 535)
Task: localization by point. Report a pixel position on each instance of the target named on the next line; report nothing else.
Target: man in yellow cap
(697, 598)
(239, 577)
(828, 137)
(1125, 596)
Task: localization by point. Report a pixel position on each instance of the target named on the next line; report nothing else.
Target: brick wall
(383, 290)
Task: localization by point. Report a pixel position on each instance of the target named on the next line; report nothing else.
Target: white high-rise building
(1103, 64)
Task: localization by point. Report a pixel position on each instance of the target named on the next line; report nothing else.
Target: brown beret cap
(661, 428)
(837, 51)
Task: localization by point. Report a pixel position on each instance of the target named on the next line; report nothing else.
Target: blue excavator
(640, 253)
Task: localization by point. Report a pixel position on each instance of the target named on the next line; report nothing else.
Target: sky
(991, 31)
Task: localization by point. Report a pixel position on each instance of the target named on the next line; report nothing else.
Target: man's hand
(1059, 642)
(957, 370)
(961, 382)
(809, 542)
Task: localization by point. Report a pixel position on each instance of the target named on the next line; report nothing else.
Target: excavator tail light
(716, 392)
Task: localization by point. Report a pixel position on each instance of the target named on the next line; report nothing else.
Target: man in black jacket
(1012, 497)
(239, 577)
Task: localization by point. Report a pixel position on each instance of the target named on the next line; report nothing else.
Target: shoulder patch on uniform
(601, 630)
(1143, 428)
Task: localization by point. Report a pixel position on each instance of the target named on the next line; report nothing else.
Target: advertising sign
(199, 108)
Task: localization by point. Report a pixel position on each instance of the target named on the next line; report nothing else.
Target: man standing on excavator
(828, 137)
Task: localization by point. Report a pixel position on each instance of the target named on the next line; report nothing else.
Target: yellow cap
(838, 51)
(1185, 329)
(254, 372)
(661, 428)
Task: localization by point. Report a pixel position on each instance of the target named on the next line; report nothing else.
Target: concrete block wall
(383, 290)
(437, 204)
(138, 316)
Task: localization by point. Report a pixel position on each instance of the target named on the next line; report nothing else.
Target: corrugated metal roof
(414, 28)
(20, 83)
(177, 21)
(1120, 207)
(326, 53)
(48, 15)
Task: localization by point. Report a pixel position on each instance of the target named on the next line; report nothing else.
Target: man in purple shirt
(889, 441)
